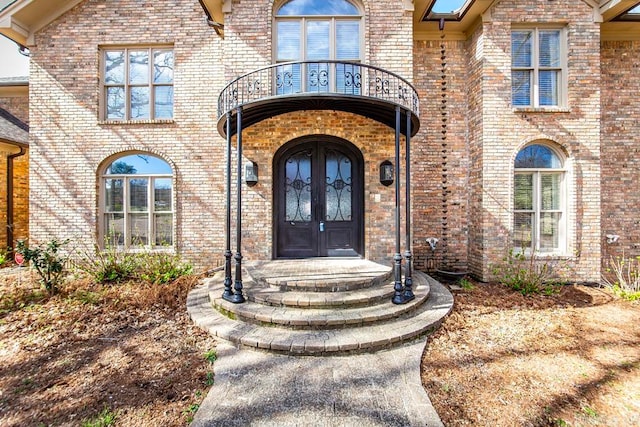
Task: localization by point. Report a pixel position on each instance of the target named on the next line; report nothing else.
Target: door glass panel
(317, 40)
(298, 187)
(338, 187)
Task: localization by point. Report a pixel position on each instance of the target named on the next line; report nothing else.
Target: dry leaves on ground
(502, 359)
(129, 349)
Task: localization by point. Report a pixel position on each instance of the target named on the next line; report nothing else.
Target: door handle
(321, 227)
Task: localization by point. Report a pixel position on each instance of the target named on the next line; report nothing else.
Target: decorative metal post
(228, 293)
(398, 297)
(237, 295)
(408, 280)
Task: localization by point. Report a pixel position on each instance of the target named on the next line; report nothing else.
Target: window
(137, 202)
(539, 200)
(319, 32)
(537, 68)
(138, 83)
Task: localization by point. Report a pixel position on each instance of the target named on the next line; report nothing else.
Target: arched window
(137, 202)
(317, 31)
(539, 200)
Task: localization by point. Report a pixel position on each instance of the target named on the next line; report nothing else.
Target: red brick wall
(620, 155)
(440, 156)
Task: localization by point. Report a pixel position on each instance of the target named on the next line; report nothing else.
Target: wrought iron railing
(306, 78)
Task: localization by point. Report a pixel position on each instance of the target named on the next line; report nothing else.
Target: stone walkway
(255, 388)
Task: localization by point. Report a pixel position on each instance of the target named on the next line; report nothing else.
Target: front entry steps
(319, 307)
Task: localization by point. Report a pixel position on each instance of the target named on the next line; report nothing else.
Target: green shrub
(4, 257)
(112, 265)
(47, 260)
(161, 267)
(108, 265)
(105, 418)
(623, 277)
(526, 275)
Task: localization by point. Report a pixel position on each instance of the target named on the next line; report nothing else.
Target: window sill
(540, 110)
(137, 122)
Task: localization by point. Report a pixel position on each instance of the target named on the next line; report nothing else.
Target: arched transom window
(137, 202)
(308, 30)
(539, 200)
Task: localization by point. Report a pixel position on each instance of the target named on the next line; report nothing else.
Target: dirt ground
(130, 351)
(127, 351)
(502, 359)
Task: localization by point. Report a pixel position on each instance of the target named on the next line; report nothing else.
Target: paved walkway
(254, 388)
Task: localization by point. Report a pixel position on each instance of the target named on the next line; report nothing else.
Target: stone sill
(137, 122)
(541, 110)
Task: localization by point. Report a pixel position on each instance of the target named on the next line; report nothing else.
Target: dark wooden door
(319, 201)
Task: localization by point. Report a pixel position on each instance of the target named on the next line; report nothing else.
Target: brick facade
(462, 157)
(620, 149)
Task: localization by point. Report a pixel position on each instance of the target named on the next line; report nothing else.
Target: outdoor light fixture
(386, 173)
(251, 173)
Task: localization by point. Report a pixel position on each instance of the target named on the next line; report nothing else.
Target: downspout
(10, 206)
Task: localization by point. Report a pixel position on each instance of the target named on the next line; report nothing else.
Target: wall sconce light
(251, 173)
(386, 173)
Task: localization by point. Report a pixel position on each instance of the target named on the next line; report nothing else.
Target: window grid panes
(318, 31)
(138, 83)
(538, 201)
(137, 206)
(537, 68)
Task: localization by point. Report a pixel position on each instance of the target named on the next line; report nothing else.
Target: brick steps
(268, 295)
(315, 318)
(308, 330)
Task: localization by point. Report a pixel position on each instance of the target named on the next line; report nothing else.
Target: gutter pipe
(10, 204)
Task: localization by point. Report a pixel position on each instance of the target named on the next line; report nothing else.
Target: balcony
(318, 85)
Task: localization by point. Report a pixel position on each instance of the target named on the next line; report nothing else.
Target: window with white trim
(539, 200)
(538, 67)
(318, 31)
(137, 202)
(137, 83)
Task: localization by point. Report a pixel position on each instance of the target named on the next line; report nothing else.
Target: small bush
(625, 277)
(524, 274)
(105, 418)
(159, 268)
(48, 261)
(4, 257)
(108, 265)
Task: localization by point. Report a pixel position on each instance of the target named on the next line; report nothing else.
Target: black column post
(237, 296)
(228, 293)
(408, 280)
(398, 297)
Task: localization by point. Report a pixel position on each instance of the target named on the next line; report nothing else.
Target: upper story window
(318, 31)
(137, 202)
(539, 200)
(138, 83)
(538, 67)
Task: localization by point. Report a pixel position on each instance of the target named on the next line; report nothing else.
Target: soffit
(21, 19)
(460, 25)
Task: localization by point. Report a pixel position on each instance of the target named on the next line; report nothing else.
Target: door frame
(357, 183)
